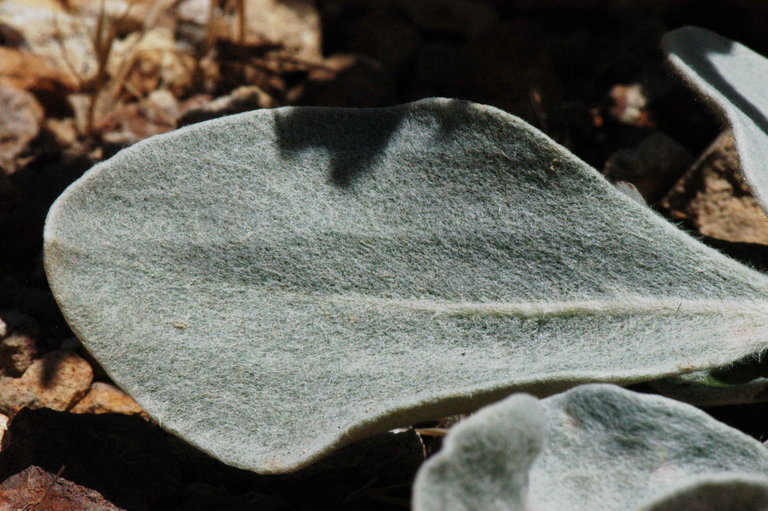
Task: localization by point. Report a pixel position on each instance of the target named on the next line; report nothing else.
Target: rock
(35, 485)
(459, 17)
(150, 61)
(19, 124)
(128, 123)
(387, 39)
(630, 105)
(193, 11)
(715, 199)
(242, 99)
(106, 398)
(128, 15)
(64, 131)
(346, 80)
(125, 459)
(63, 38)
(294, 25)
(37, 75)
(3, 427)
(56, 381)
(66, 38)
(17, 352)
(18, 343)
(652, 166)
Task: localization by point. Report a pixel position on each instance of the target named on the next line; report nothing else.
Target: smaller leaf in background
(604, 448)
(732, 77)
(485, 463)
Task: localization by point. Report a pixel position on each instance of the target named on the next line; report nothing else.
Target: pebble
(714, 197)
(652, 166)
(295, 26)
(18, 343)
(106, 398)
(57, 381)
(27, 487)
(3, 428)
(242, 99)
(19, 124)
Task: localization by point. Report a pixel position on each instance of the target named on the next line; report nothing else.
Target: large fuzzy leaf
(604, 448)
(276, 284)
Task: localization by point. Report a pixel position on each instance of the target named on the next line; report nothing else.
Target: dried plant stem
(241, 23)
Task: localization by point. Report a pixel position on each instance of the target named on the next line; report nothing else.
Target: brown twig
(431, 431)
(241, 22)
(58, 36)
(35, 505)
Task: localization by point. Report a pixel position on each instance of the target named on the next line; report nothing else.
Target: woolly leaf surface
(273, 285)
(604, 448)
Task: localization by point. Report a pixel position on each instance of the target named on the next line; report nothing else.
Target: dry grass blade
(36, 505)
(241, 22)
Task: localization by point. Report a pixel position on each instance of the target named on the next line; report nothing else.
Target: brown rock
(194, 11)
(56, 381)
(3, 427)
(125, 459)
(18, 343)
(129, 123)
(242, 99)
(106, 398)
(294, 25)
(150, 61)
(128, 15)
(61, 37)
(36, 488)
(37, 75)
(17, 352)
(714, 197)
(64, 131)
(19, 124)
(630, 105)
(652, 166)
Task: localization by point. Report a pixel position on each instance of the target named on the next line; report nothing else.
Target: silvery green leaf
(274, 285)
(732, 77)
(604, 448)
